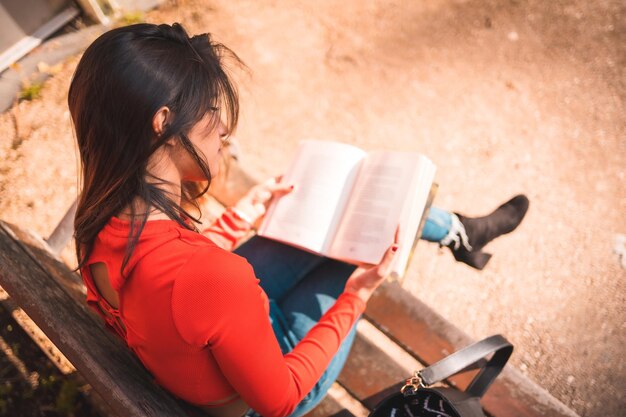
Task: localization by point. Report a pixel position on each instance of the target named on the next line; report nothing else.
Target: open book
(347, 203)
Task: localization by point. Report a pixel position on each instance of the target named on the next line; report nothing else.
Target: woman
(264, 330)
(147, 103)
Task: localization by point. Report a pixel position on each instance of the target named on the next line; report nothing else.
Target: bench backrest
(51, 294)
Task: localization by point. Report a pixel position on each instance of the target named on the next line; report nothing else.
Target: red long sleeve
(227, 230)
(224, 308)
(197, 318)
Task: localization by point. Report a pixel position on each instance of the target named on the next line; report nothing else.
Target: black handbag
(418, 399)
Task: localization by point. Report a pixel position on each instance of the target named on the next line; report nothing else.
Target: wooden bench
(396, 325)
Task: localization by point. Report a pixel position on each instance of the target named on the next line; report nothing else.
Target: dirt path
(505, 97)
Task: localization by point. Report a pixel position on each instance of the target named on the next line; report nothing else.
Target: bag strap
(468, 356)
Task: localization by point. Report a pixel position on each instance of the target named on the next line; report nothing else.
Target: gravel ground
(505, 96)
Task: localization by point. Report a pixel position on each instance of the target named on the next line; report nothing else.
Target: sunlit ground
(506, 97)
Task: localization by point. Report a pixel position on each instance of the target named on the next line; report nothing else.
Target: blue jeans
(437, 225)
(302, 286)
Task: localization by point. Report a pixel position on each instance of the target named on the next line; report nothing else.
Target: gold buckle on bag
(414, 383)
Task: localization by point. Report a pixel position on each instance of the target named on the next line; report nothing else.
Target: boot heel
(477, 260)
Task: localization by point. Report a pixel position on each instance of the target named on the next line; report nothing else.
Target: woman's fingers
(278, 188)
(282, 189)
(270, 188)
(264, 195)
(384, 267)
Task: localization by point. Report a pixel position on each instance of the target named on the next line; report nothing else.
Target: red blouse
(195, 315)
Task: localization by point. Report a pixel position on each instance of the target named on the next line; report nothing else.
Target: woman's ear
(159, 121)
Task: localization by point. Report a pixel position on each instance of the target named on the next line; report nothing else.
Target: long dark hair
(124, 77)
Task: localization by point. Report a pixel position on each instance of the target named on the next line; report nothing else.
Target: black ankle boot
(482, 230)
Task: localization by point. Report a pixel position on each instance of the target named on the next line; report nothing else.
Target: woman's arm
(228, 229)
(237, 221)
(218, 304)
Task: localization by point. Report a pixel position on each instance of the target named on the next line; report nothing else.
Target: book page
(383, 189)
(323, 173)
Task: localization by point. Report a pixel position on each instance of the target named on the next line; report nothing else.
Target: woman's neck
(140, 209)
(163, 174)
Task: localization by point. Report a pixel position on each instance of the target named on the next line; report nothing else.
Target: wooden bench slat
(41, 251)
(105, 363)
(63, 232)
(329, 407)
(414, 326)
(429, 337)
(369, 373)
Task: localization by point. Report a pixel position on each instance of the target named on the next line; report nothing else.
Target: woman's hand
(254, 204)
(367, 277)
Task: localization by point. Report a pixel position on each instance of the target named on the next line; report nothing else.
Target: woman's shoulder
(208, 259)
(191, 250)
(163, 247)
(195, 254)
(162, 234)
